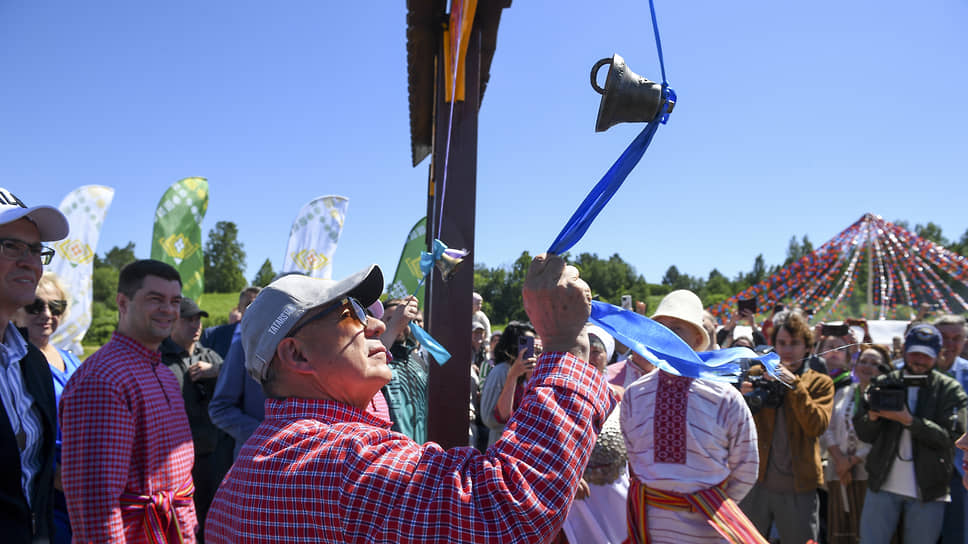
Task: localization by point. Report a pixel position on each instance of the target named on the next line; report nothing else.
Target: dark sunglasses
(56, 307)
(359, 313)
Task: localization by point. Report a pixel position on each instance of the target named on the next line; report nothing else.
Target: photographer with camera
(912, 417)
(789, 427)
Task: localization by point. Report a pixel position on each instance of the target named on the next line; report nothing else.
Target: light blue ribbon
(664, 349)
(441, 355)
(427, 260)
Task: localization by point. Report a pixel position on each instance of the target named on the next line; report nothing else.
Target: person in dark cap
(28, 418)
(910, 463)
(196, 367)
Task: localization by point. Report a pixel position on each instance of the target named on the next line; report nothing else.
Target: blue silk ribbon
(606, 188)
(427, 260)
(664, 349)
(441, 355)
(660, 346)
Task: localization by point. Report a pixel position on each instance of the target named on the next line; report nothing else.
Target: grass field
(218, 306)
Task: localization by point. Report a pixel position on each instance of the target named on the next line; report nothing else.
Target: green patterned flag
(177, 238)
(408, 269)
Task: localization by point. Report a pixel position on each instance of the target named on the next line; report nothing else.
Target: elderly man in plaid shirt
(128, 454)
(321, 469)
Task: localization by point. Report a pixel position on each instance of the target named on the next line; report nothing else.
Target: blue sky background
(793, 119)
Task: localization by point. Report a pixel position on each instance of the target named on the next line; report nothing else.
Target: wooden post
(453, 204)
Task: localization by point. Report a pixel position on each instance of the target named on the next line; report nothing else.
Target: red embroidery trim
(669, 430)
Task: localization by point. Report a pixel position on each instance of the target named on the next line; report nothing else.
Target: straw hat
(685, 306)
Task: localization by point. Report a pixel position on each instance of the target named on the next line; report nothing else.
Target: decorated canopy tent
(895, 266)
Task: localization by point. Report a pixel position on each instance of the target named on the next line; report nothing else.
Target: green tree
(264, 275)
(501, 289)
(611, 278)
(806, 245)
(117, 257)
(103, 322)
(224, 259)
(931, 232)
(796, 249)
(961, 246)
(759, 271)
(716, 284)
(105, 286)
(671, 277)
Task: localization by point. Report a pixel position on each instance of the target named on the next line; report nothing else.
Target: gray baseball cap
(282, 303)
(189, 308)
(50, 222)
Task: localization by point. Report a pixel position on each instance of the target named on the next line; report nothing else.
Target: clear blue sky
(793, 119)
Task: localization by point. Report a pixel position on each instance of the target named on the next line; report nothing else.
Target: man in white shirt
(686, 439)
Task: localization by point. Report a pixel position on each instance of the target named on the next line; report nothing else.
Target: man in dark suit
(220, 338)
(28, 417)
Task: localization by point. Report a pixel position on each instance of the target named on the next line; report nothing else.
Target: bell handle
(595, 69)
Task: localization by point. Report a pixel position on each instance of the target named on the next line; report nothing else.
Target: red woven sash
(723, 513)
(161, 523)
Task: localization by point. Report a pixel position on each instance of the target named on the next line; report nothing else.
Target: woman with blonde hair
(41, 318)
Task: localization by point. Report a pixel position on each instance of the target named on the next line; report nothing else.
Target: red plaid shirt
(321, 471)
(124, 431)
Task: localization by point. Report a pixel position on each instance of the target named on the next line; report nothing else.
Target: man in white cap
(320, 469)
(28, 417)
(689, 441)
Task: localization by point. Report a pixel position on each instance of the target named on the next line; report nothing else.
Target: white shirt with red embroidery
(685, 435)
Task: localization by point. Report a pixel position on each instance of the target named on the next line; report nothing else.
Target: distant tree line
(609, 278)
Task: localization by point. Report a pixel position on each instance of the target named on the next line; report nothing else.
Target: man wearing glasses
(28, 418)
(320, 469)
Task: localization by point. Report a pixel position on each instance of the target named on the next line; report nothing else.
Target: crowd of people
(304, 419)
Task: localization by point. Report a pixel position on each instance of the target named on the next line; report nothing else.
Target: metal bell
(449, 261)
(627, 96)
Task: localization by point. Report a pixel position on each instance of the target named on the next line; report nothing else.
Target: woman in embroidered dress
(41, 319)
(844, 474)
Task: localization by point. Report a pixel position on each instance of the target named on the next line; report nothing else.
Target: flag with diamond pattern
(73, 262)
(177, 236)
(314, 235)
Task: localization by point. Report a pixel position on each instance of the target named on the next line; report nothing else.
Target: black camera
(838, 328)
(766, 393)
(890, 395)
